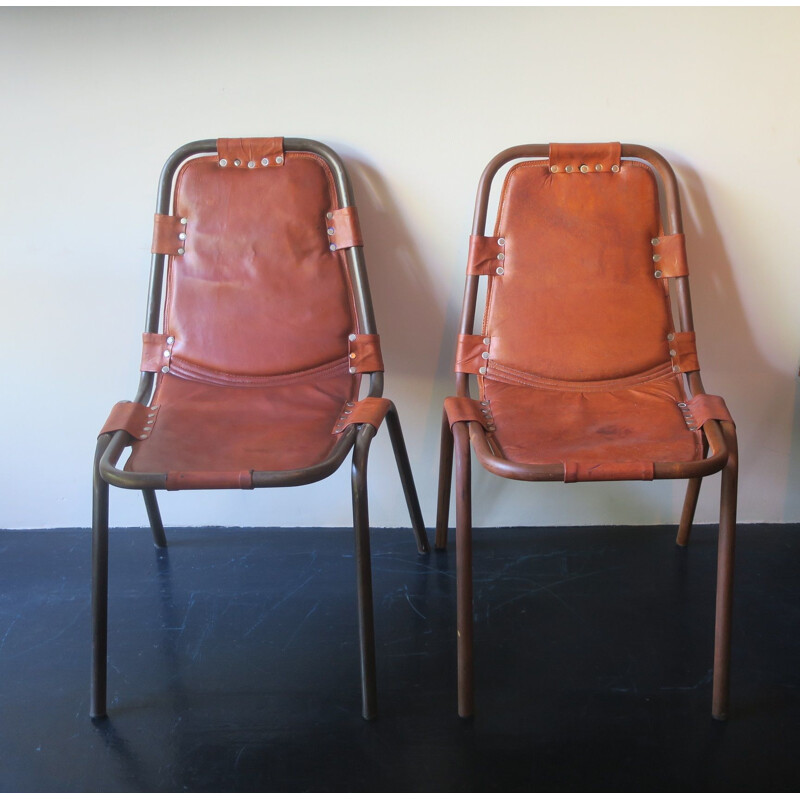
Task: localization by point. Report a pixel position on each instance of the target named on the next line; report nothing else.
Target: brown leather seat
(582, 373)
(251, 376)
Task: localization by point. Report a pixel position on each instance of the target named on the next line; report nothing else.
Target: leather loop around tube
(575, 472)
(596, 158)
(370, 410)
(209, 480)
(672, 261)
(345, 227)
(156, 352)
(251, 153)
(708, 406)
(365, 353)
(486, 254)
(465, 409)
(684, 346)
(133, 418)
(469, 354)
(167, 232)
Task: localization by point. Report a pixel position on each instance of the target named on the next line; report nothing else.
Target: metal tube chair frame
(357, 438)
(456, 440)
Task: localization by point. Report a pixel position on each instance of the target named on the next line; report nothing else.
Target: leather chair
(253, 359)
(582, 373)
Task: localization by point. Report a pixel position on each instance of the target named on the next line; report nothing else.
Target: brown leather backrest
(258, 290)
(578, 298)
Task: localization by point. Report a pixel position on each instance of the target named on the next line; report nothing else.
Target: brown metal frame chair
(236, 216)
(559, 213)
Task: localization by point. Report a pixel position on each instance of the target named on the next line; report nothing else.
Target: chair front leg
(97, 702)
(445, 483)
(725, 560)
(154, 516)
(366, 625)
(407, 479)
(464, 612)
(689, 507)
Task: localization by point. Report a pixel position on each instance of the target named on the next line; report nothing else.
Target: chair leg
(97, 704)
(407, 479)
(366, 625)
(725, 559)
(445, 483)
(464, 612)
(689, 507)
(154, 515)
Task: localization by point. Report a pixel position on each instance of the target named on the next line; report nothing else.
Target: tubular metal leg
(464, 569)
(366, 625)
(725, 559)
(97, 704)
(445, 483)
(154, 515)
(689, 507)
(407, 479)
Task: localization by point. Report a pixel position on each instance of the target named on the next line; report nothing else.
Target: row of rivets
(352, 337)
(223, 162)
(688, 417)
(487, 412)
(331, 230)
(656, 257)
(345, 412)
(151, 418)
(501, 256)
(584, 168)
(182, 237)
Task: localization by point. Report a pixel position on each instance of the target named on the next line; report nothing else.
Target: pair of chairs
(260, 327)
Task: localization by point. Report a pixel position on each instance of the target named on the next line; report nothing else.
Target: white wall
(416, 101)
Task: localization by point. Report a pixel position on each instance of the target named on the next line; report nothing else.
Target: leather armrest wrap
(370, 410)
(465, 409)
(708, 406)
(133, 418)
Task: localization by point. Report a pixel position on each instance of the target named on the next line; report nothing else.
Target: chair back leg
(154, 515)
(687, 515)
(445, 483)
(725, 560)
(407, 479)
(97, 702)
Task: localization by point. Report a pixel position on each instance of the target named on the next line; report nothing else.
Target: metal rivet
(349, 405)
(181, 251)
(352, 337)
(166, 354)
(658, 273)
(279, 160)
(584, 168)
(352, 369)
(692, 429)
(331, 231)
(147, 428)
(482, 370)
(486, 340)
(170, 340)
(492, 428)
(499, 270)
(143, 436)
(485, 356)
(184, 220)
(501, 241)
(673, 352)
(329, 215)
(154, 408)
(615, 168)
(676, 368)
(568, 168)
(165, 369)
(223, 162)
(484, 402)
(237, 162)
(682, 405)
(501, 256)
(598, 167)
(654, 242)
(485, 411)
(347, 412)
(333, 247)
(670, 337)
(251, 164)
(264, 162)
(554, 168)
(182, 236)
(656, 257)
(352, 355)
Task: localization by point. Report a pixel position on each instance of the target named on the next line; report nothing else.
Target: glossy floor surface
(233, 664)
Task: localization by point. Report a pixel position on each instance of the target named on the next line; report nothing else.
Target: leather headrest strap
(251, 153)
(585, 159)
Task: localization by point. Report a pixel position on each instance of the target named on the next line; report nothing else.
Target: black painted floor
(234, 664)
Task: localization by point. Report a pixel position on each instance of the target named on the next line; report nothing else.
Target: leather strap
(669, 256)
(365, 352)
(169, 235)
(370, 410)
(472, 354)
(584, 159)
(465, 409)
(344, 229)
(575, 472)
(683, 351)
(209, 480)
(251, 153)
(704, 407)
(487, 255)
(133, 418)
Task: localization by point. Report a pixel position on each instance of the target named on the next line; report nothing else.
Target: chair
(582, 374)
(251, 371)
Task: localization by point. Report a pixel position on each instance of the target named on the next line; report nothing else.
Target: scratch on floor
(297, 629)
